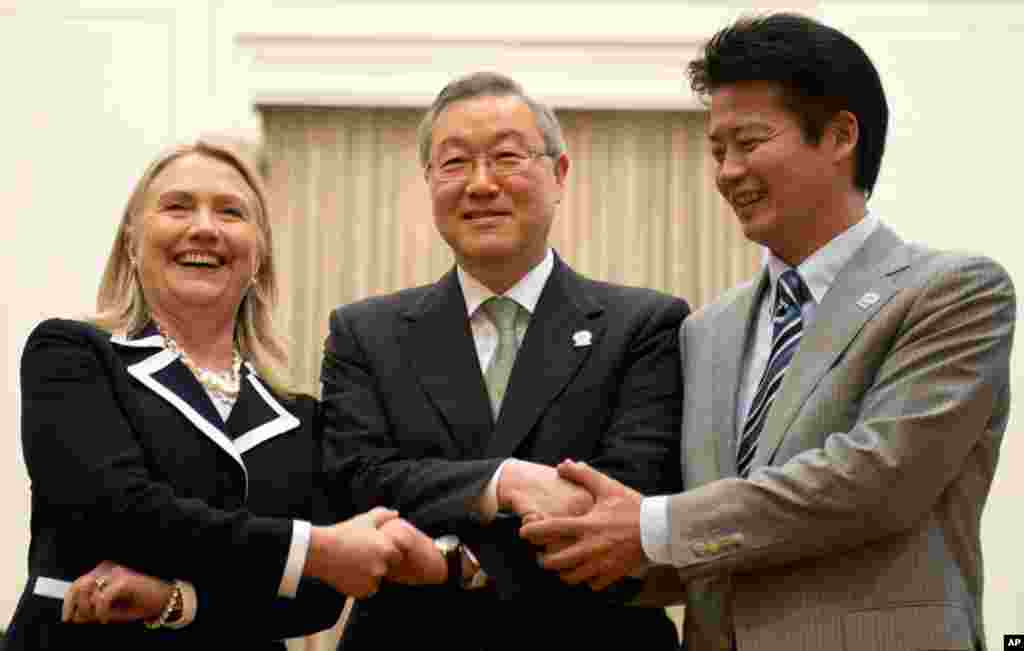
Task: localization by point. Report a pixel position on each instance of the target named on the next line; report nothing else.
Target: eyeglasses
(459, 167)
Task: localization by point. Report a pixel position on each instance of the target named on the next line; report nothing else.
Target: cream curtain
(352, 215)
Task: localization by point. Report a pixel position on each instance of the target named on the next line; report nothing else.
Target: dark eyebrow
(740, 128)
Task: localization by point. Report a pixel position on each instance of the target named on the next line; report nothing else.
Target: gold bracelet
(175, 604)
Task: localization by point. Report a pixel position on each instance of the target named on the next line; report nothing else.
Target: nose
(730, 170)
(481, 180)
(204, 222)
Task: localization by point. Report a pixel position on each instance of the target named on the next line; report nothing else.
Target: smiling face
(496, 225)
(195, 242)
(783, 189)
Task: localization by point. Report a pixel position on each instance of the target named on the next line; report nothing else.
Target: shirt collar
(526, 292)
(820, 269)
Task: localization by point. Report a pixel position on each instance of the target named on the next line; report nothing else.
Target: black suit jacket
(408, 425)
(130, 461)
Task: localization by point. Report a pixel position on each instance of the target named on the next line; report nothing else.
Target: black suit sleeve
(89, 470)
(366, 466)
(640, 446)
(316, 607)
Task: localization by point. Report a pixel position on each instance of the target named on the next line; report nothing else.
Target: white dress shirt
(526, 293)
(818, 272)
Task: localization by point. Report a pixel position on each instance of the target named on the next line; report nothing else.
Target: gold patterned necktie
(503, 313)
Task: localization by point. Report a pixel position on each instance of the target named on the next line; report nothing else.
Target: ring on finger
(101, 582)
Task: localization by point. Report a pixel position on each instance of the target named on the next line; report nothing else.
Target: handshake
(557, 505)
(352, 556)
(587, 524)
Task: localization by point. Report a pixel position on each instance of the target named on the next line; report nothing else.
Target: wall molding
(407, 70)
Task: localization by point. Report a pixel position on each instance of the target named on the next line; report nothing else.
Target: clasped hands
(352, 556)
(587, 523)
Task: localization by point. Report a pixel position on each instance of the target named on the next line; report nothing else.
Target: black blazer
(408, 425)
(130, 461)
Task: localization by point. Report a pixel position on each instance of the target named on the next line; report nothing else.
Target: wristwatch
(450, 549)
(464, 569)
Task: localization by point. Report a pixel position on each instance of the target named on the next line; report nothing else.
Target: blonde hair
(121, 303)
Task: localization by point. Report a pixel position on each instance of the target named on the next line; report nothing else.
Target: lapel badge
(581, 338)
(867, 300)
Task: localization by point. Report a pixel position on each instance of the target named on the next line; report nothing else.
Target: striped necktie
(503, 312)
(787, 329)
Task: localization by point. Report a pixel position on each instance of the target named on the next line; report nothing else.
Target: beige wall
(92, 88)
(950, 172)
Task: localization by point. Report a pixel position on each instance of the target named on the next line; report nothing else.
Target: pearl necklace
(221, 385)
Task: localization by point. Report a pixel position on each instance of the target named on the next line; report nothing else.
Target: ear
(844, 132)
(561, 169)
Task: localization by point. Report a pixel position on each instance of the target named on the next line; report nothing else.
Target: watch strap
(451, 551)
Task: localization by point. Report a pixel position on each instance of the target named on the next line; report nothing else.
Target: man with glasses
(452, 402)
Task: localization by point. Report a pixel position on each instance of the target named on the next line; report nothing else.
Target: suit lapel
(440, 345)
(732, 331)
(257, 416)
(860, 290)
(549, 356)
(165, 375)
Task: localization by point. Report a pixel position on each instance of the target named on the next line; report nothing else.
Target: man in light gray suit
(842, 413)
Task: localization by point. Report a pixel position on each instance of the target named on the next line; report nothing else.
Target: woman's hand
(112, 593)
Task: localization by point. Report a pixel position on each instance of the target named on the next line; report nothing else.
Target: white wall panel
(87, 101)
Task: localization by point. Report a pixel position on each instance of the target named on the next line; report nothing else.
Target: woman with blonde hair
(163, 435)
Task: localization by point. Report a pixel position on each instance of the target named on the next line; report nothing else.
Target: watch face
(447, 543)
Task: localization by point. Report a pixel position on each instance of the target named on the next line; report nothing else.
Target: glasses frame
(490, 164)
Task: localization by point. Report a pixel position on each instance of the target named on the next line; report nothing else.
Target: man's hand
(535, 491)
(421, 562)
(353, 556)
(112, 593)
(607, 543)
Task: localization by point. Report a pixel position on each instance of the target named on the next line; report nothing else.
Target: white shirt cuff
(488, 506)
(301, 531)
(654, 529)
(190, 604)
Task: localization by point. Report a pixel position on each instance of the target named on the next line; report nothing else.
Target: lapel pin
(867, 300)
(581, 338)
